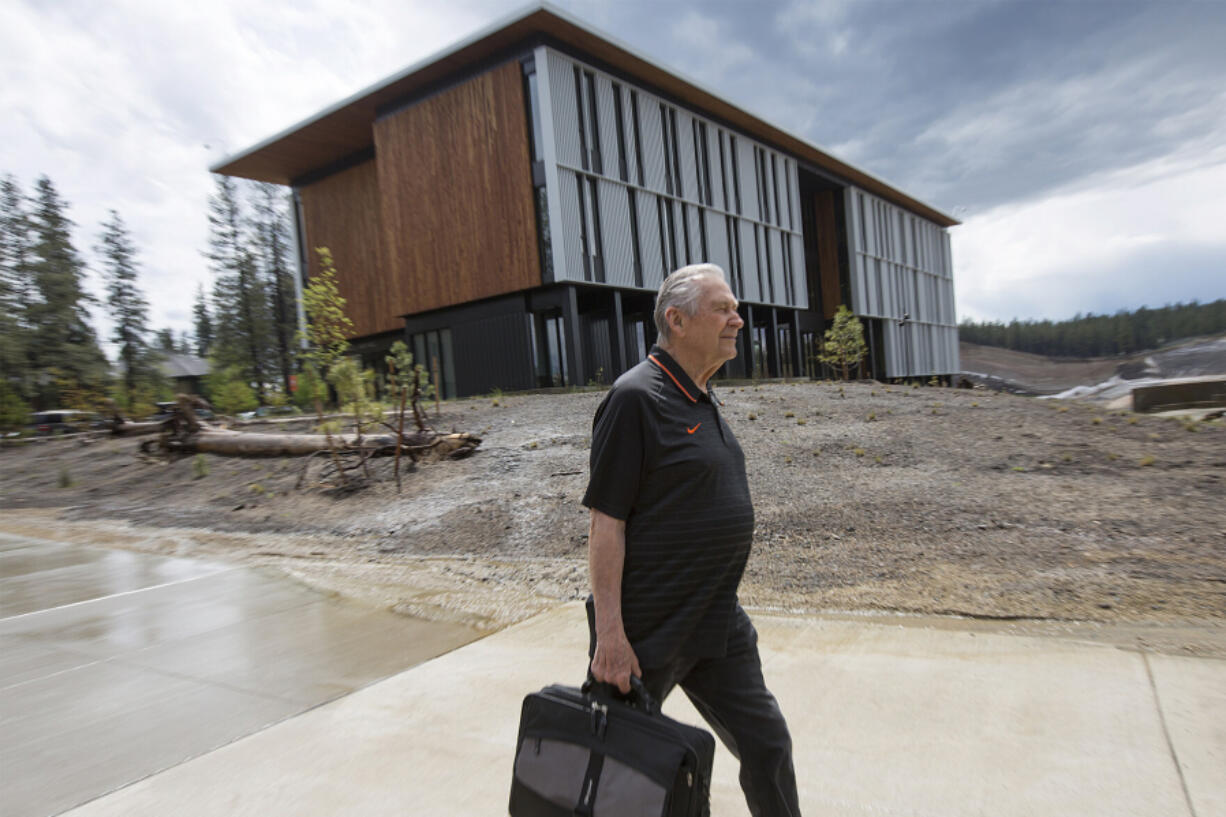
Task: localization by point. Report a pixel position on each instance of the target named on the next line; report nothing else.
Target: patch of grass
(1019, 469)
(1062, 409)
(1190, 424)
(872, 415)
(1132, 421)
(257, 488)
(789, 414)
(974, 405)
(817, 453)
(1154, 436)
(1066, 457)
(1147, 460)
(1113, 457)
(787, 459)
(800, 421)
(877, 459)
(859, 452)
(751, 416)
(1097, 421)
(200, 467)
(65, 478)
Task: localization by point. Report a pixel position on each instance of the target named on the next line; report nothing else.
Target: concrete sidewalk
(886, 720)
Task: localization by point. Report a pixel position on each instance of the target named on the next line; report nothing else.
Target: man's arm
(614, 660)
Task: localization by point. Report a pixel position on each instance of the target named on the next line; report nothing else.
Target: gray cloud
(1167, 272)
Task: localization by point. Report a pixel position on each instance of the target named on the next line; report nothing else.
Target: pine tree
(15, 286)
(843, 344)
(67, 364)
(272, 228)
(241, 319)
(203, 323)
(164, 341)
(127, 305)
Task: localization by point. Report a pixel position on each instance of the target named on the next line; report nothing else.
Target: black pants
(731, 695)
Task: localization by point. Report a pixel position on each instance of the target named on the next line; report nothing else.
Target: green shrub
(200, 467)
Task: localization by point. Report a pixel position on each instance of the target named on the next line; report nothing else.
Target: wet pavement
(115, 665)
(886, 720)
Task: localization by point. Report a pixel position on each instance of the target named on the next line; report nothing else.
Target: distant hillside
(1038, 374)
(1101, 335)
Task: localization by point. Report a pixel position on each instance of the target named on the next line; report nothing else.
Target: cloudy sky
(1082, 143)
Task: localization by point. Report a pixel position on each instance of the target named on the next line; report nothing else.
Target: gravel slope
(925, 501)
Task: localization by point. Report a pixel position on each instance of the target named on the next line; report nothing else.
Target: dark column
(617, 336)
(747, 342)
(772, 345)
(574, 337)
(797, 354)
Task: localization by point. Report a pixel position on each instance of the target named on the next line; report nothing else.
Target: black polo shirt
(664, 460)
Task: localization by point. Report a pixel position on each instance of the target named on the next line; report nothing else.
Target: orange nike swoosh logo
(692, 430)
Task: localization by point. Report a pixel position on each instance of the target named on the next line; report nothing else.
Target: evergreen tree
(68, 366)
(164, 341)
(241, 320)
(1093, 335)
(127, 305)
(273, 234)
(203, 323)
(15, 286)
(843, 345)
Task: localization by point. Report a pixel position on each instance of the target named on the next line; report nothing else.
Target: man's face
(711, 332)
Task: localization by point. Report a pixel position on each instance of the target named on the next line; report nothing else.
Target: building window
(622, 170)
(685, 232)
(589, 228)
(583, 154)
(736, 172)
(723, 173)
(594, 122)
(766, 254)
(734, 256)
(775, 189)
(433, 351)
(702, 234)
(638, 139)
(634, 236)
(668, 154)
(672, 118)
(549, 348)
(668, 236)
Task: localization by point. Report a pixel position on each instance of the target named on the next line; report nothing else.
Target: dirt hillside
(920, 501)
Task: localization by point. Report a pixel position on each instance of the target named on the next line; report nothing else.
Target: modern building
(511, 204)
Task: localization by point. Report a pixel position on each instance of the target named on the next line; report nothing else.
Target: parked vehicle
(165, 410)
(270, 411)
(61, 421)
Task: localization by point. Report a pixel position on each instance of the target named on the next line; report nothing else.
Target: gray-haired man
(671, 527)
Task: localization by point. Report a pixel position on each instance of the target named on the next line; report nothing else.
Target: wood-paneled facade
(513, 205)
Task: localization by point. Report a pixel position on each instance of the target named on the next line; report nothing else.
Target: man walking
(671, 527)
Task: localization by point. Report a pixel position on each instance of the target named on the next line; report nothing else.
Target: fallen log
(250, 444)
(185, 433)
(127, 428)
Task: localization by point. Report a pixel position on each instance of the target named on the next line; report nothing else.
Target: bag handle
(638, 696)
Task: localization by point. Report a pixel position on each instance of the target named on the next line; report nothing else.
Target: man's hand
(615, 661)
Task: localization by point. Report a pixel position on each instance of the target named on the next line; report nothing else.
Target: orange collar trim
(672, 377)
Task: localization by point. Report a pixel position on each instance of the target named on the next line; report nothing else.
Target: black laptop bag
(585, 752)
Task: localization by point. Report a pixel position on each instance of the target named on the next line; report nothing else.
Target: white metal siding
(605, 113)
(565, 159)
(615, 229)
(649, 240)
(569, 236)
(565, 113)
(901, 267)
